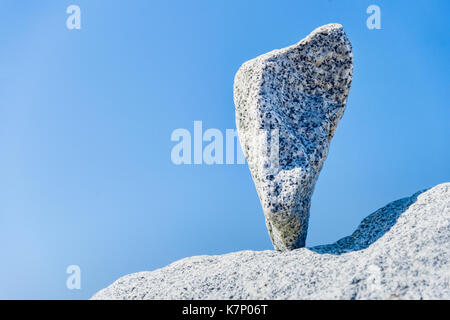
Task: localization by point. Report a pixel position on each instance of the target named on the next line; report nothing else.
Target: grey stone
(288, 104)
(399, 252)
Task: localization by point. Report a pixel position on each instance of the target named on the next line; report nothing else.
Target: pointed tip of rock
(327, 28)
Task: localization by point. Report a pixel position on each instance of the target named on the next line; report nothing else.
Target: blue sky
(86, 118)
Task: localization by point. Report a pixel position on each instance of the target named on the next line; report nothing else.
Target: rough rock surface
(399, 252)
(288, 104)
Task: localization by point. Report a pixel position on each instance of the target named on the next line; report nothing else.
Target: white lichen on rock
(289, 102)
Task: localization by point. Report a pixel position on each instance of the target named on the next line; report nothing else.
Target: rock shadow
(372, 228)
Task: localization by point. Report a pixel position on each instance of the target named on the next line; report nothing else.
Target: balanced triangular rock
(288, 104)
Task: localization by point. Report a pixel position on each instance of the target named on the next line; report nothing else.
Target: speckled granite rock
(288, 104)
(399, 252)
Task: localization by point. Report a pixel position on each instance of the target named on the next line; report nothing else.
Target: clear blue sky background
(86, 117)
